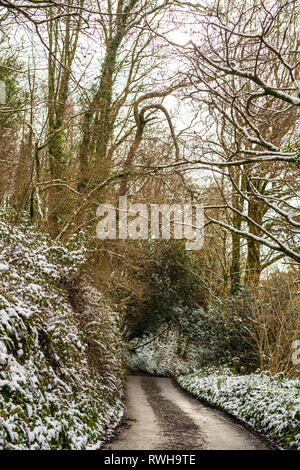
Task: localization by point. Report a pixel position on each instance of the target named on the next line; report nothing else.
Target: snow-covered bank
(61, 367)
(269, 404)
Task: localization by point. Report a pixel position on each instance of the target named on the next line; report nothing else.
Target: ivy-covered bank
(269, 404)
(61, 376)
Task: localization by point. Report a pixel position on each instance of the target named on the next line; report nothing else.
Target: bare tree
(242, 67)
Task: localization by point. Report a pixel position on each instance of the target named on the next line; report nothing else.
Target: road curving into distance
(162, 417)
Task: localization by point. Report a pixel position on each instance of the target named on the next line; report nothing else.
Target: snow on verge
(269, 404)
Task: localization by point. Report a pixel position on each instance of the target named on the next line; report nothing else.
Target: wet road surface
(162, 417)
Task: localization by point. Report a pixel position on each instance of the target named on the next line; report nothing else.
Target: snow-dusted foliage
(168, 355)
(200, 338)
(60, 377)
(270, 404)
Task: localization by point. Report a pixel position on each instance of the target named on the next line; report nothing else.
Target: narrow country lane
(162, 417)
